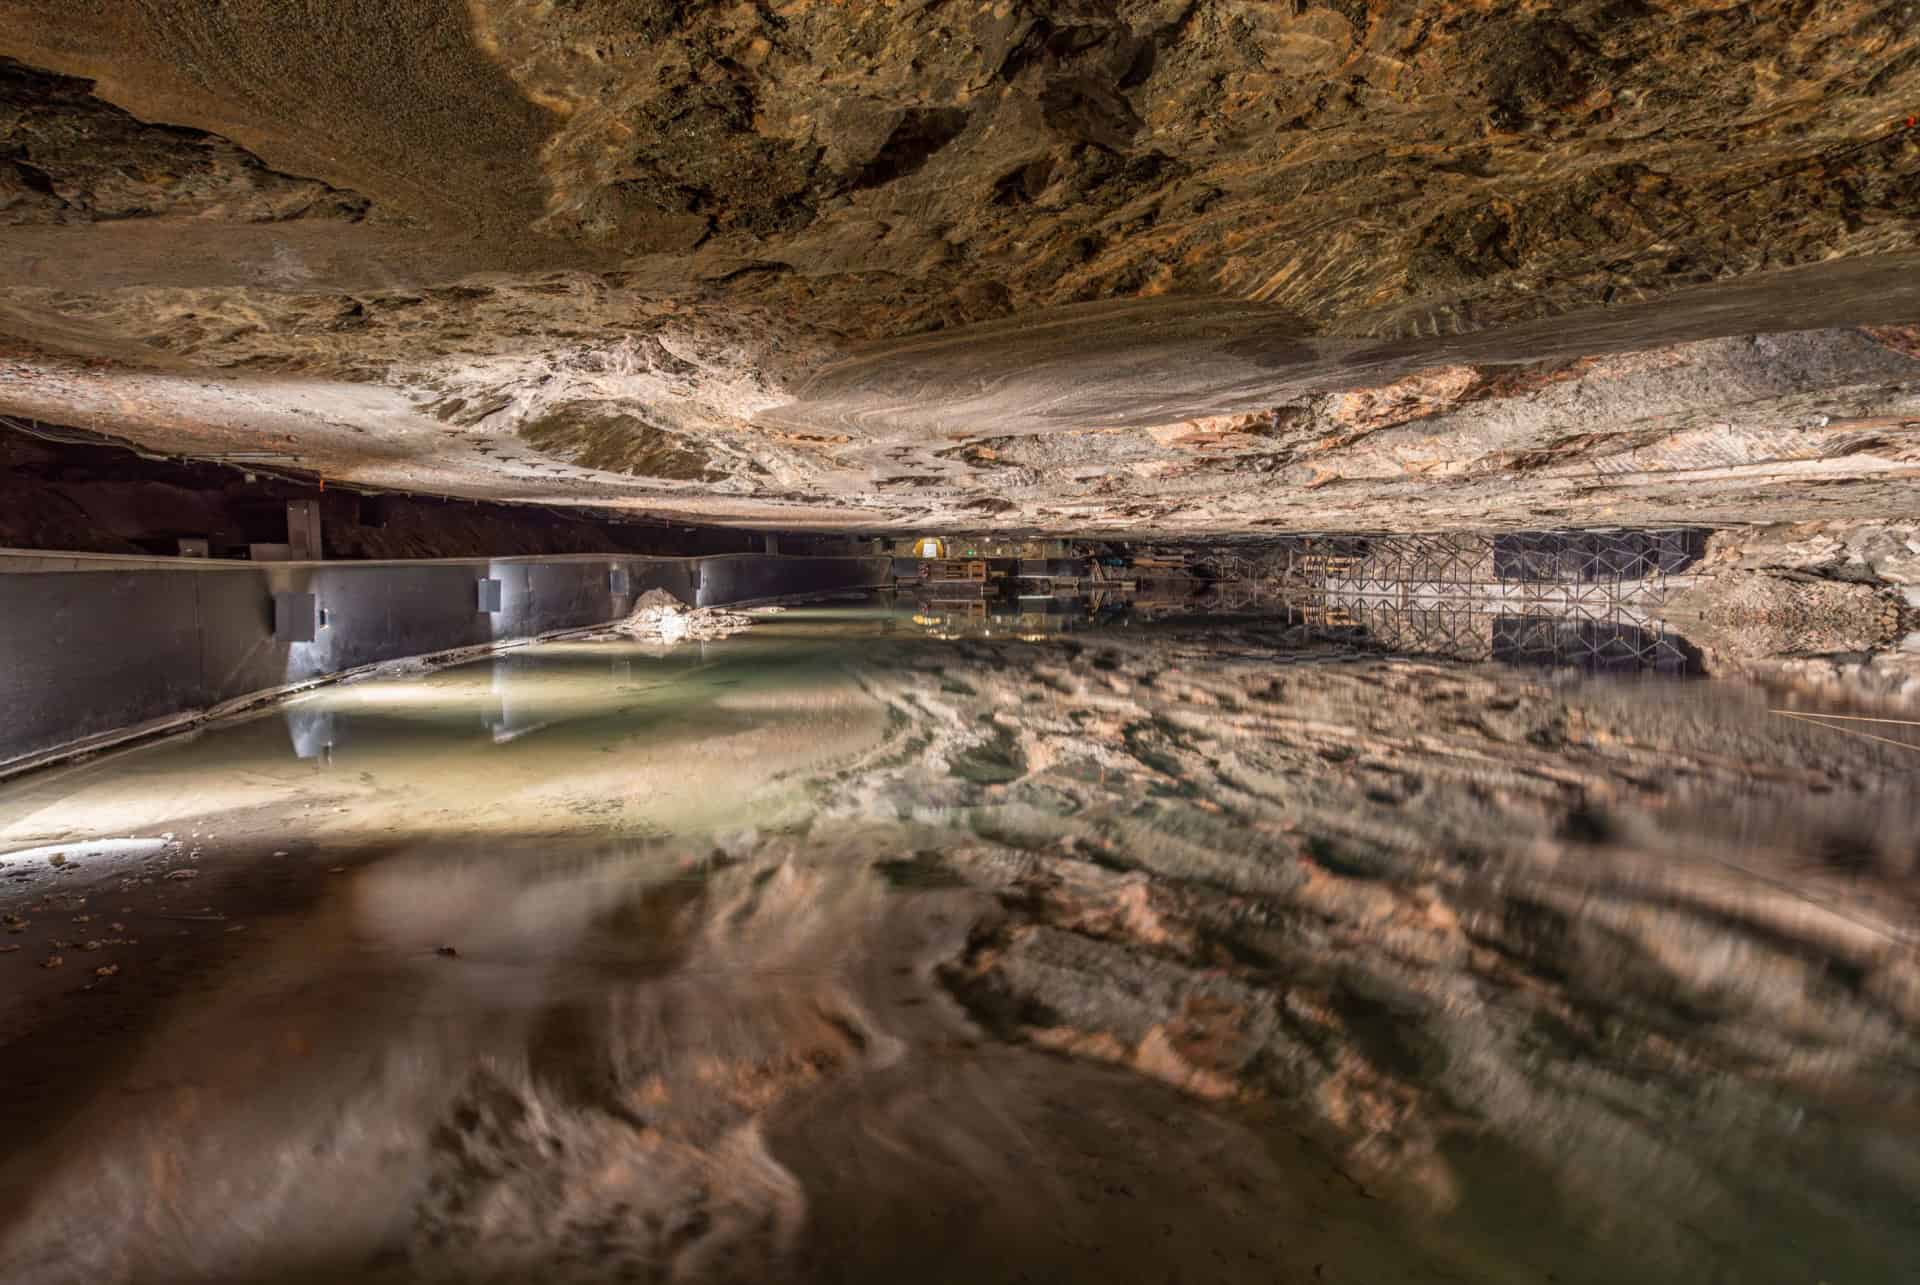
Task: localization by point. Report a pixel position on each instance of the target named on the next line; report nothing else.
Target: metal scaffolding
(1558, 598)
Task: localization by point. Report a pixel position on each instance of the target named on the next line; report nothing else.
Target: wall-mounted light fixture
(489, 595)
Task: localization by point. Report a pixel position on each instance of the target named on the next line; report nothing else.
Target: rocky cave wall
(620, 254)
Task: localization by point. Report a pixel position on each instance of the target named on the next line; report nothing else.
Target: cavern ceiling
(1131, 266)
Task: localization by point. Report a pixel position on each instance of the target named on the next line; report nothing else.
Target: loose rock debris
(660, 617)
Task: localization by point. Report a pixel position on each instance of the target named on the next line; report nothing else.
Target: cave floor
(848, 949)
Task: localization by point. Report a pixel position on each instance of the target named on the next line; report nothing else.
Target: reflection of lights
(79, 848)
(311, 728)
(382, 693)
(128, 805)
(457, 690)
(597, 650)
(503, 735)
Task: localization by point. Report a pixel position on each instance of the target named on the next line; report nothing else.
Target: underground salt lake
(859, 947)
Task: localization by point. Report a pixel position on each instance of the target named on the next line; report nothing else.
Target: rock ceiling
(1118, 265)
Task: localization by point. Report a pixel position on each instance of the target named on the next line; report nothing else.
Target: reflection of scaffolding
(1597, 555)
(1581, 598)
(1575, 598)
(1242, 597)
(1597, 647)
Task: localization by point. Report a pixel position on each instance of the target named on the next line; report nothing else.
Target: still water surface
(839, 952)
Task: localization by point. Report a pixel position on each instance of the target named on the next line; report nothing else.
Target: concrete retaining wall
(89, 656)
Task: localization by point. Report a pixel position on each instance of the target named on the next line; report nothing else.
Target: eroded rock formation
(1826, 608)
(646, 247)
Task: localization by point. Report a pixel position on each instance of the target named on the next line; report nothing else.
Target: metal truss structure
(1597, 647)
(1554, 598)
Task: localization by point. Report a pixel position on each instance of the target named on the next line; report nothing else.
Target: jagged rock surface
(631, 237)
(1824, 610)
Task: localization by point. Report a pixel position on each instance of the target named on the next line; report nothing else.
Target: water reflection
(834, 952)
(1579, 599)
(311, 729)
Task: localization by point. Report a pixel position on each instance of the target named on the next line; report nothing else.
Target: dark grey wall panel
(401, 611)
(565, 594)
(745, 579)
(237, 650)
(84, 654)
